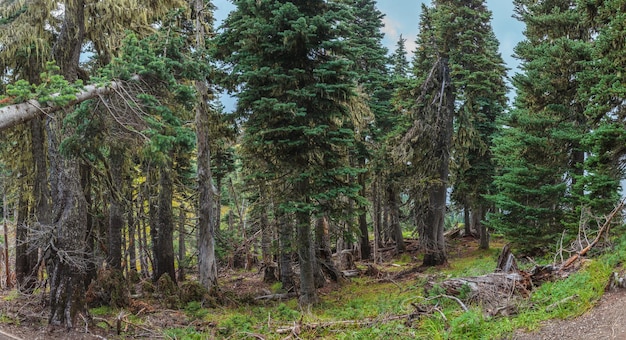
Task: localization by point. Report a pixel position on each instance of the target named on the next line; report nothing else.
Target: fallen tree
(15, 114)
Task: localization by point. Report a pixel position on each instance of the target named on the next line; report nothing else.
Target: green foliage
(194, 310)
(53, 88)
(468, 325)
(185, 334)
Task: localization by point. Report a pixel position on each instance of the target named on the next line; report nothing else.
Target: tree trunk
(182, 249)
(376, 218)
(41, 189)
(132, 226)
(90, 233)
(69, 246)
(269, 272)
(479, 213)
(207, 213)
(466, 220)
(68, 263)
(366, 251)
(152, 179)
(394, 217)
(164, 249)
(435, 243)
(285, 249)
(306, 254)
(24, 268)
(116, 220)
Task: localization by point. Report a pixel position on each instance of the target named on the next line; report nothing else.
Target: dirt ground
(607, 320)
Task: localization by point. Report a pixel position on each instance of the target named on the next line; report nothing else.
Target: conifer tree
(364, 47)
(539, 149)
(293, 88)
(478, 73)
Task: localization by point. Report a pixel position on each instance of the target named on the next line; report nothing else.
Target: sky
(402, 17)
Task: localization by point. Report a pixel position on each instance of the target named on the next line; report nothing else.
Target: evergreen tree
(364, 47)
(478, 73)
(293, 88)
(539, 149)
(399, 63)
(426, 146)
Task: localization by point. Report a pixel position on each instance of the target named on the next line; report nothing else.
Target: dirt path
(607, 320)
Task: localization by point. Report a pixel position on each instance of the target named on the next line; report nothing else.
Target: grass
(375, 303)
(366, 308)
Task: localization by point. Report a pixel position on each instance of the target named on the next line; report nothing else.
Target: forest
(353, 192)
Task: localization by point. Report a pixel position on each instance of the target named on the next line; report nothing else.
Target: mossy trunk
(68, 247)
(68, 263)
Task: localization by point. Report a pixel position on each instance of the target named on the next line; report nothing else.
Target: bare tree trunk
(41, 190)
(5, 217)
(24, 273)
(269, 272)
(132, 248)
(182, 249)
(164, 249)
(116, 220)
(306, 255)
(479, 213)
(91, 232)
(68, 263)
(152, 180)
(207, 212)
(467, 220)
(285, 249)
(394, 217)
(366, 251)
(142, 238)
(376, 218)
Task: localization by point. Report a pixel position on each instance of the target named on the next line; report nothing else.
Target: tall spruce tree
(539, 149)
(478, 73)
(365, 49)
(601, 81)
(285, 56)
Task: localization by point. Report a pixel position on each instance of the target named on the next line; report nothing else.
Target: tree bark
(285, 249)
(164, 249)
(306, 255)
(366, 251)
(182, 249)
(394, 217)
(116, 220)
(24, 273)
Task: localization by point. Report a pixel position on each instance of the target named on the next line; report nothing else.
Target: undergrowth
(370, 308)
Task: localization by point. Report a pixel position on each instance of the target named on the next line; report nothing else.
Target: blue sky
(402, 17)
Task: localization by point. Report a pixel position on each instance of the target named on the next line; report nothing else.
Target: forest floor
(368, 307)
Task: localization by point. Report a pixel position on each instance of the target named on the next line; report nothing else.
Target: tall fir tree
(293, 89)
(364, 47)
(479, 74)
(539, 150)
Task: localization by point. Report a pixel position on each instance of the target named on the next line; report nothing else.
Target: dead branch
(463, 306)
(560, 302)
(282, 296)
(602, 230)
